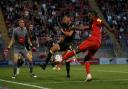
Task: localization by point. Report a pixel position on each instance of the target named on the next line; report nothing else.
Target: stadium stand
(116, 14)
(46, 14)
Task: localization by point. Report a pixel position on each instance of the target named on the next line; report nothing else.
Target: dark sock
(14, 69)
(48, 58)
(68, 68)
(31, 67)
(18, 65)
(86, 58)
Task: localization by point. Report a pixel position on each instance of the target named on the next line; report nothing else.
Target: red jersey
(96, 29)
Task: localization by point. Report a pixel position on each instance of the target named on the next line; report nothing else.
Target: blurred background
(46, 15)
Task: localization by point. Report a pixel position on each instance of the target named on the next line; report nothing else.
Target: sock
(14, 69)
(68, 54)
(31, 67)
(68, 68)
(87, 67)
(48, 57)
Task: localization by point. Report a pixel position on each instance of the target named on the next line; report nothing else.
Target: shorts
(23, 51)
(64, 46)
(89, 44)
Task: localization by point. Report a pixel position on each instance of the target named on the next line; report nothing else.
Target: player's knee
(30, 52)
(29, 57)
(15, 59)
(55, 48)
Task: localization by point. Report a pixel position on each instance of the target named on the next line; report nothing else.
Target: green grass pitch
(104, 77)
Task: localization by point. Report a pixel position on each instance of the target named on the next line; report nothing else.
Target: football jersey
(96, 28)
(32, 35)
(19, 37)
(68, 39)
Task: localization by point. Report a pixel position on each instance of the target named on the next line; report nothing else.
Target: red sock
(87, 67)
(68, 54)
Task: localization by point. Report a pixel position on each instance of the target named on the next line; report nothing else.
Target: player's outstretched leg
(70, 54)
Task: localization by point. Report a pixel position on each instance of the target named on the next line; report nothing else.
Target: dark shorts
(64, 46)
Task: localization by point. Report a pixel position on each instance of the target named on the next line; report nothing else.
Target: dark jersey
(32, 35)
(68, 39)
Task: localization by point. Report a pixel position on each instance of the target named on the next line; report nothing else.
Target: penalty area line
(24, 84)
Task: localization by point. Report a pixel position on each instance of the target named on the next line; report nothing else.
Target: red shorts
(90, 44)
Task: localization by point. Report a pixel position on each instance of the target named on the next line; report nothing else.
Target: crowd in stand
(116, 14)
(46, 15)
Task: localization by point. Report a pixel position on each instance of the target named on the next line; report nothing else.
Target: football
(58, 58)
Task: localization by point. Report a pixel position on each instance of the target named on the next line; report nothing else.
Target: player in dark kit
(33, 39)
(92, 43)
(64, 44)
(20, 35)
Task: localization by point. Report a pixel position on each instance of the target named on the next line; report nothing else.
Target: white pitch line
(24, 84)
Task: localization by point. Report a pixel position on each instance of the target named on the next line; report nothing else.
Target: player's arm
(28, 39)
(11, 41)
(67, 33)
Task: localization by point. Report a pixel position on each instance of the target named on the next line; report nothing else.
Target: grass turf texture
(104, 77)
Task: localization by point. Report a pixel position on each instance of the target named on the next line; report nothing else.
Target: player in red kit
(91, 44)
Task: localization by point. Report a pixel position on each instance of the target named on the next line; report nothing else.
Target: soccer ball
(58, 58)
